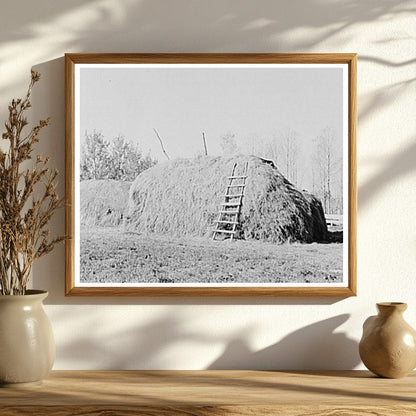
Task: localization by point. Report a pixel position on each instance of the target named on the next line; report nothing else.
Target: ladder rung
(233, 219)
(225, 231)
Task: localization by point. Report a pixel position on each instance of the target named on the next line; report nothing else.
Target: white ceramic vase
(27, 347)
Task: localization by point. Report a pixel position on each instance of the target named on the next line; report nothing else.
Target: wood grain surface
(203, 393)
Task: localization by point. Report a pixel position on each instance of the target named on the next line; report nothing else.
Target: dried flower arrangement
(28, 199)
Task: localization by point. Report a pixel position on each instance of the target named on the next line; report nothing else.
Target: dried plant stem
(23, 217)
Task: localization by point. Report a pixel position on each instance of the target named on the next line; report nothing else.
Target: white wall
(198, 333)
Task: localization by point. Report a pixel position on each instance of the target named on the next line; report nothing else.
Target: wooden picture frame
(96, 82)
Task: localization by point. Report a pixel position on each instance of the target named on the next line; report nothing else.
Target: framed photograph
(211, 174)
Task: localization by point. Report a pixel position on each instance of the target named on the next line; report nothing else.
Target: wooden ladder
(229, 214)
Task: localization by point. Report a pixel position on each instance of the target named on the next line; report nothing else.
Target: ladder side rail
(220, 214)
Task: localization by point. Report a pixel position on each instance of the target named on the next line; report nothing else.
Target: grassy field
(110, 255)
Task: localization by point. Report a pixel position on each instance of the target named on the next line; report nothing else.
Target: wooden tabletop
(202, 393)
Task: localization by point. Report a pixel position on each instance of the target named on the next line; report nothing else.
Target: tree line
(322, 169)
(116, 159)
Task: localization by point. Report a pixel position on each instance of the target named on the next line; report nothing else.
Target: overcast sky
(181, 103)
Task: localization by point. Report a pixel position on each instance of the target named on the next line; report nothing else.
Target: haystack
(103, 202)
(182, 197)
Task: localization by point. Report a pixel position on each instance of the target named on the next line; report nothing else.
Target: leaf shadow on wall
(312, 347)
(151, 26)
(403, 162)
(396, 167)
(140, 347)
(316, 346)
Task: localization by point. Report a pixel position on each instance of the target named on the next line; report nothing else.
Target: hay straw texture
(102, 202)
(183, 197)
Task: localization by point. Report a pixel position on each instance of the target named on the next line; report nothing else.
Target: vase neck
(390, 308)
(35, 296)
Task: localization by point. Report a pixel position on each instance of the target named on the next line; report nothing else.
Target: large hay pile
(103, 202)
(183, 197)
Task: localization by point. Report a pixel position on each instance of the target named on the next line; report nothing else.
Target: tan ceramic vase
(388, 344)
(27, 347)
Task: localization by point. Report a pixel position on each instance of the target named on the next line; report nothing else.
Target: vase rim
(400, 306)
(30, 294)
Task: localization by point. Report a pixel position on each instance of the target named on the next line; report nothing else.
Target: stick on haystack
(161, 143)
(205, 144)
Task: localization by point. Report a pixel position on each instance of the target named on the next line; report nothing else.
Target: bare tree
(284, 151)
(289, 155)
(229, 144)
(327, 169)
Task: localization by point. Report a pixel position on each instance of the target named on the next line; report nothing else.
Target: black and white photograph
(211, 174)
